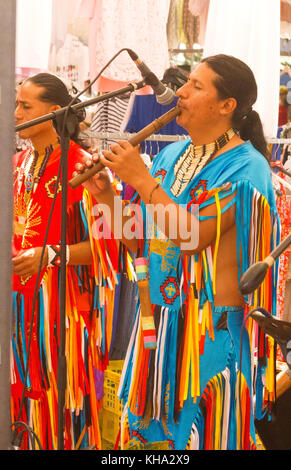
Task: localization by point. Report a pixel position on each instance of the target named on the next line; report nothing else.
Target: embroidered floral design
(170, 290)
(196, 192)
(26, 219)
(24, 280)
(160, 175)
(50, 187)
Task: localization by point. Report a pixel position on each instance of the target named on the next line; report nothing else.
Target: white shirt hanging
(250, 31)
(33, 33)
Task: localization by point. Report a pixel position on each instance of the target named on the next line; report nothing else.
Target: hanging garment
(108, 117)
(71, 61)
(180, 6)
(146, 109)
(283, 115)
(185, 391)
(285, 78)
(285, 133)
(142, 29)
(200, 8)
(285, 18)
(191, 26)
(173, 26)
(240, 31)
(34, 24)
(287, 304)
(283, 206)
(62, 16)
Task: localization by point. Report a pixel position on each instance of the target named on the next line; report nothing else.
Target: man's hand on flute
(123, 160)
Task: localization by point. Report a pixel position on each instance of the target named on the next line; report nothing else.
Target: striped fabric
(109, 117)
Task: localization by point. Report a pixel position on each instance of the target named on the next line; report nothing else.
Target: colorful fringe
(148, 394)
(222, 405)
(254, 243)
(41, 403)
(89, 315)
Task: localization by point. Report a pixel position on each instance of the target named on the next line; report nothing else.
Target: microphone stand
(65, 120)
(278, 329)
(256, 273)
(277, 169)
(131, 87)
(250, 281)
(64, 132)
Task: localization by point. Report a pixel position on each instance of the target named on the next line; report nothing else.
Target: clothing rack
(128, 135)
(278, 141)
(114, 136)
(160, 137)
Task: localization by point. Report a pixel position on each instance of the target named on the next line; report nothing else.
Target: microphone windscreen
(253, 277)
(167, 97)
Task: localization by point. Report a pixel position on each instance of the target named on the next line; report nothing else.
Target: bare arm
(80, 254)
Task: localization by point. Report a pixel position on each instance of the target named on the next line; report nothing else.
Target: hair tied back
(248, 113)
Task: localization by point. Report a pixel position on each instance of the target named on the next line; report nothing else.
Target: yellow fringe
(217, 240)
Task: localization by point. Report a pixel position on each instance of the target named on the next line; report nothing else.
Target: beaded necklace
(194, 159)
(37, 165)
(34, 169)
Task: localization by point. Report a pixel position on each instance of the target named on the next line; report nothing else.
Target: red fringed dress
(89, 304)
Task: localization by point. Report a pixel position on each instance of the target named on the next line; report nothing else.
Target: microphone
(280, 168)
(256, 273)
(164, 95)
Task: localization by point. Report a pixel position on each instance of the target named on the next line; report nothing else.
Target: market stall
(75, 40)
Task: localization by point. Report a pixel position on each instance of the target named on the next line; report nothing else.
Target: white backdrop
(33, 33)
(250, 30)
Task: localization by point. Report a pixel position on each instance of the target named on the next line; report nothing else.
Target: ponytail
(251, 128)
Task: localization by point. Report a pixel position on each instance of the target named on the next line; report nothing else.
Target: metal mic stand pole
(63, 129)
(131, 87)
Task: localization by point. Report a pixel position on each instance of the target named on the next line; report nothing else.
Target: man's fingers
(79, 167)
(21, 272)
(87, 163)
(120, 145)
(22, 268)
(22, 258)
(95, 157)
(107, 156)
(124, 144)
(16, 261)
(114, 148)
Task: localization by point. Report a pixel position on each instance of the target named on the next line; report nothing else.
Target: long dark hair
(55, 92)
(236, 80)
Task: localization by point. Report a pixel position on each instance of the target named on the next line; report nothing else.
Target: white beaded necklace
(194, 159)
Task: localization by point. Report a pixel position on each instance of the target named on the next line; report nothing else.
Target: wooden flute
(134, 140)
